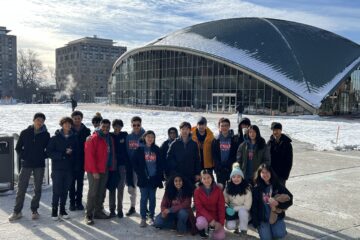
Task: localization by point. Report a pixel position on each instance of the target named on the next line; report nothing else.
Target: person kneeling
(238, 199)
(176, 206)
(210, 207)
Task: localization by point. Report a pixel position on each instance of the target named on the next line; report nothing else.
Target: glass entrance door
(224, 102)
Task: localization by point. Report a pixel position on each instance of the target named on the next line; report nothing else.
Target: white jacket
(237, 202)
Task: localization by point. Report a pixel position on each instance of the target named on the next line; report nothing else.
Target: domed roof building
(265, 66)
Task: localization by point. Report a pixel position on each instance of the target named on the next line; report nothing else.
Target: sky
(44, 25)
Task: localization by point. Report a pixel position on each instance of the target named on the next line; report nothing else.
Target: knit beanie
(236, 170)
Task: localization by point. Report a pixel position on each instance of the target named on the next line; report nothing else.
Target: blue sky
(44, 25)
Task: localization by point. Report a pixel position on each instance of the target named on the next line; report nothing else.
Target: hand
(212, 223)
(273, 203)
(68, 151)
(218, 226)
(165, 213)
(197, 178)
(96, 175)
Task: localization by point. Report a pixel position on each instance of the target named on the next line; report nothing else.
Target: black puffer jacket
(281, 156)
(183, 158)
(81, 135)
(31, 147)
(56, 150)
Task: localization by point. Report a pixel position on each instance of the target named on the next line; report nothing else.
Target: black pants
(61, 183)
(223, 175)
(76, 188)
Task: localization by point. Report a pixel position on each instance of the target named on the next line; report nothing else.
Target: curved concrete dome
(304, 61)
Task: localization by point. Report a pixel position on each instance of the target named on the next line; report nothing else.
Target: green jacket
(261, 156)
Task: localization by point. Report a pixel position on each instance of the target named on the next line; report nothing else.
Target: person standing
(77, 183)
(73, 104)
(148, 165)
(172, 135)
(203, 137)
(96, 120)
(243, 128)
(281, 152)
(252, 152)
(99, 159)
(224, 148)
(132, 143)
(31, 148)
(121, 159)
(63, 149)
(183, 156)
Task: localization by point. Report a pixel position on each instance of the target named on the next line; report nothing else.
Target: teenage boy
(132, 143)
(77, 183)
(31, 148)
(183, 156)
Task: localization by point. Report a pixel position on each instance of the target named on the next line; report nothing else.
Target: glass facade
(177, 79)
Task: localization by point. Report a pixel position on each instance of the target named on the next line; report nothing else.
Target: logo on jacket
(133, 144)
(150, 157)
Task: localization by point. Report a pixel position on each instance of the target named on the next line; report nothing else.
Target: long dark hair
(273, 179)
(240, 189)
(260, 141)
(171, 191)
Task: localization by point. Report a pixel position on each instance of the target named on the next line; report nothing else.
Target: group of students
(250, 174)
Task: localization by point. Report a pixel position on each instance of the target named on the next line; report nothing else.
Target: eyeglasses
(136, 125)
(172, 132)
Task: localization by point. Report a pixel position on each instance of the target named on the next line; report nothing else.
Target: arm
(20, 145)
(215, 154)
(288, 159)
(90, 151)
(221, 208)
(199, 205)
(267, 158)
(184, 204)
(52, 152)
(197, 166)
(285, 205)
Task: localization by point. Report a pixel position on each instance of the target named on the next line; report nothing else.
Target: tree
(30, 74)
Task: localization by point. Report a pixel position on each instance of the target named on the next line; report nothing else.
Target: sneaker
(151, 221)
(120, 214)
(180, 234)
(131, 211)
(35, 215)
(63, 214)
(143, 223)
(54, 214)
(89, 220)
(243, 232)
(101, 215)
(80, 207)
(203, 234)
(72, 207)
(112, 214)
(236, 231)
(15, 216)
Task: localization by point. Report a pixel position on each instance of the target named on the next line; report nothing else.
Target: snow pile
(319, 131)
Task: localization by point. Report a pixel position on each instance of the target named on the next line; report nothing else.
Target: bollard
(337, 134)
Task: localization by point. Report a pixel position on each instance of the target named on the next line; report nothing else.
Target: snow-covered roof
(308, 61)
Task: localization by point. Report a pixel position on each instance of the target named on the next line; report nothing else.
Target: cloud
(47, 25)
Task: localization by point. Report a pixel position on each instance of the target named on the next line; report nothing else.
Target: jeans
(61, 184)
(24, 178)
(202, 224)
(132, 190)
(96, 193)
(147, 194)
(76, 188)
(180, 218)
(270, 231)
(120, 192)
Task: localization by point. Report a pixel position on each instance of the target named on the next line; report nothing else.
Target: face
(265, 175)
(236, 179)
(252, 134)
(224, 128)
(201, 127)
(66, 126)
(38, 123)
(77, 120)
(149, 139)
(172, 134)
(206, 180)
(178, 183)
(184, 132)
(105, 128)
(136, 126)
(96, 124)
(244, 126)
(117, 128)
(277, 133)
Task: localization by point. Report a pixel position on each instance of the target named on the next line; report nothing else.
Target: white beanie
(236, 170)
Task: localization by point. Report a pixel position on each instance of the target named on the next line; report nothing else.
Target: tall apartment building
(88, 63)
(7, 63)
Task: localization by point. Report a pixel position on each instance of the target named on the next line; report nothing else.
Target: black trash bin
(6, 163)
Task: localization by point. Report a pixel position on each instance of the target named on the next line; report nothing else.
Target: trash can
(6, 163)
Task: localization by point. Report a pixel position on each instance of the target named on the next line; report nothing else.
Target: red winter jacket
(211, 207)
(176, 204)
(96, 154)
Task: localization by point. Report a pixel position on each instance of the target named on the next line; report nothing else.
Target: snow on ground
(319, 131)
